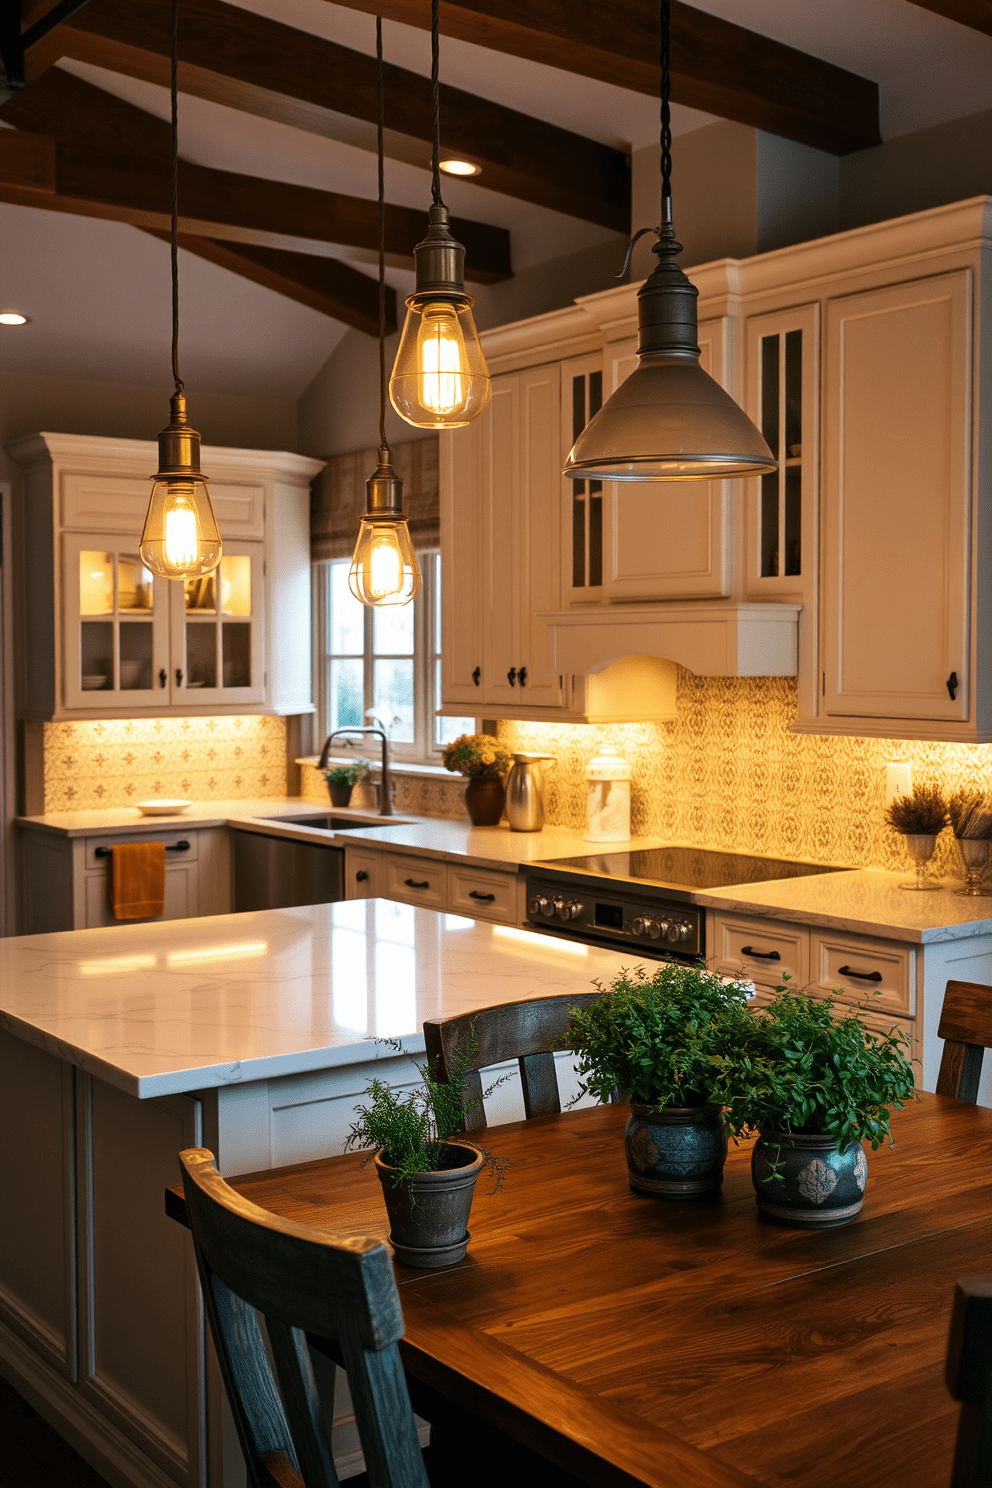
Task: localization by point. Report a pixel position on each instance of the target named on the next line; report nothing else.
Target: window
(385, 661)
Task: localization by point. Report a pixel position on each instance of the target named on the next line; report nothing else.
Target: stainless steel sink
(329, 823)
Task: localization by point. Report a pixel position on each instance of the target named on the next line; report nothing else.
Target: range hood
(717, 639)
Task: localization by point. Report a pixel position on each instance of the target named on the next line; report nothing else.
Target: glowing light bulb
(384, 569)
(442, 360)
(180, 538)
(181, 531)
(440, 379)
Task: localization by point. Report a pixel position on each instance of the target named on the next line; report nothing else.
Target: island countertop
(165, 1009)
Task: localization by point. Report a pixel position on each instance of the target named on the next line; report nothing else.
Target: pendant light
(384, 569)
(669, 420)
(180, 538)
(440, 379)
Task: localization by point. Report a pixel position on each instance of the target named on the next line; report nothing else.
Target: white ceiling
(97, 292)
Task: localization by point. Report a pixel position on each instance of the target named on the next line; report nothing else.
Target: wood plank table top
(643, 1342)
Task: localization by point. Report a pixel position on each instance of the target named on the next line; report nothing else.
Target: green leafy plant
(793, 1067)
(342, 774)
(654, 1037)
(476, 754)
(921, 814)
(412, 1128)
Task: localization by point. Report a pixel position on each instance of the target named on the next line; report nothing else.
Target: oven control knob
(673, 933)
(541, 906)
(560, 907)
(575, 908)
(655, 928)
(639, 926)
(685, 930)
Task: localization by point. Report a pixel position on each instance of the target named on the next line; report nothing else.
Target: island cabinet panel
(141, 1329)
(897, 502)
(37, 1224)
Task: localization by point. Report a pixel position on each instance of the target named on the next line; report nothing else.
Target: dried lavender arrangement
(970, 812)
(919, 817)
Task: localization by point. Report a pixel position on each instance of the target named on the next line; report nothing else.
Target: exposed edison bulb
(439, 380)
(180, 538)
(384, 569)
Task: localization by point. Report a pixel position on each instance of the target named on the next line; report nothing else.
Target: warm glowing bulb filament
(385, 568)
(181, 532)
(441, 368)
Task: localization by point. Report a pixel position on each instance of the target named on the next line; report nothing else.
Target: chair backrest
(966, 1028)
(301, 1280)
(527, 1031)
(969, 1379)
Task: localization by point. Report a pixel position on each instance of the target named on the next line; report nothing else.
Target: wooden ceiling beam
(249, 62)
(716, 65)
(977, 14)
(112, 161)
(27, 164)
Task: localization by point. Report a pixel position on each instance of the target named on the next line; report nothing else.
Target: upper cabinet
(99, 635)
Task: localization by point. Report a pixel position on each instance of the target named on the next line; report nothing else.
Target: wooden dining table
(636, 1341)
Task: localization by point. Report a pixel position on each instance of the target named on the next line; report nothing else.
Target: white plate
(162, 808)
(93, 683)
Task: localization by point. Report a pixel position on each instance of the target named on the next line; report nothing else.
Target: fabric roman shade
(337, 500)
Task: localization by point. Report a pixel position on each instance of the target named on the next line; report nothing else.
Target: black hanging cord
(665, 27)
(380, 121)
(436, 104)
(175, 196)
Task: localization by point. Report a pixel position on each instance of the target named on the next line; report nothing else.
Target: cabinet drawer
(95, 845)
(362, 873)
(879, 973)
(766, 949)
(487, 896)
(415, 880)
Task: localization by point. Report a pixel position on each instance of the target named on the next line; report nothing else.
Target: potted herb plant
(813, 1087)
(655, 1038)
(428, 1171)
(340, 781)
(919, 817)
(970, 814)
(485, 761)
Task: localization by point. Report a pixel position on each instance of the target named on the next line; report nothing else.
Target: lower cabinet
(432, 883)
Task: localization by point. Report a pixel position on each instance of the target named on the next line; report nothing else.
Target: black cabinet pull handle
(104, 852)
(477, 675)
(163, 677)
(864, 976)
(486, 898)
(361, 876)
(952, 686)
(762, 955)
(179, 676)
(511, 676)
(412, 883)
(523, 676)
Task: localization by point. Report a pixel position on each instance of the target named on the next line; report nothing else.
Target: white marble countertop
(160, 1009)
(865, 901)
(113, 821)
(489, 847)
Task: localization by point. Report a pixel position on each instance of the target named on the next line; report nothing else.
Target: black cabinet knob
(952, 686)
(163, 677)
(477, 676)
(361, 876)
(179, 676)
(511, 676)
(522, 674)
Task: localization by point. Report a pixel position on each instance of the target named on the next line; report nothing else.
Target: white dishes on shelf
(162, 808)
(94, 681)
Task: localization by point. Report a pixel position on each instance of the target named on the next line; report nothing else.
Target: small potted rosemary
(919, 817)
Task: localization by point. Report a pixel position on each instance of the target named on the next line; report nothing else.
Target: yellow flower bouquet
(476, 755)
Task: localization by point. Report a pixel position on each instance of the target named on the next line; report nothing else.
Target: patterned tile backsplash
(729, 774)
(118, 761)
(420, 795)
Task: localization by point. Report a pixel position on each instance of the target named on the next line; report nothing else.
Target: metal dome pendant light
(180, 538)
(669, 420)
(440, 379)
(384, 569)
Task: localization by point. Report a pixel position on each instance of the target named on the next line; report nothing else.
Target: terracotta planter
(340, 794)
(484, 798)
(803, 1181)
(675, 1152)
(428, 1218)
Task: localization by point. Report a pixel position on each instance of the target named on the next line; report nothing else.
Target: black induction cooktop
(686, 867)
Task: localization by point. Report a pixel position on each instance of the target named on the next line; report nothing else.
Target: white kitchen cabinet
(98, 636)
(362, 873)
(463, 538)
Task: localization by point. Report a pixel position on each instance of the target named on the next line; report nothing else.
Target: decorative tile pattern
(419, 795)
(729, 774)
(119, 761)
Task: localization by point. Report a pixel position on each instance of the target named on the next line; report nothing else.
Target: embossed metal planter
(675, 1152)
(803, 1181)
(428, 1217)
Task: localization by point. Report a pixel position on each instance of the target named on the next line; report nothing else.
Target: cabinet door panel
(897, 501)
(667, 539)
(181, 898)
(503, 588)
(115, 627)
(462, 528)
(218, 649)
(539, 530)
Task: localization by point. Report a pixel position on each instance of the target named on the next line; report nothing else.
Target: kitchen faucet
(386, 798)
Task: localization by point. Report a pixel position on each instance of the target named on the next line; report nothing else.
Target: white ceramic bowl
(93, 682)
(162, 808)
(131, 673)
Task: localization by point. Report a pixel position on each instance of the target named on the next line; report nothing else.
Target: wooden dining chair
(969, 1379)
(301, 1280)
(966, 1028)
(527, 1031)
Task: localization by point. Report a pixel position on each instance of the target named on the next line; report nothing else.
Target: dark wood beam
(974, 13)
(716, 66)
(27, 164)
(112, 161)
(325, 284)
(246, 61)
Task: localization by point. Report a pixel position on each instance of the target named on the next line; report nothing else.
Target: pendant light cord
(380, 127)
(436, 104)
(665, 28)
(175, 196)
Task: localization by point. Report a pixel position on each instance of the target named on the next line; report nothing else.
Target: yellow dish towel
(137, 880)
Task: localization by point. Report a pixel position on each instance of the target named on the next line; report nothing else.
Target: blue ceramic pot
(803, 1181)
(675, 1152)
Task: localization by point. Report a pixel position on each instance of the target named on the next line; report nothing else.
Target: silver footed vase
(975, 857)
(921, 849)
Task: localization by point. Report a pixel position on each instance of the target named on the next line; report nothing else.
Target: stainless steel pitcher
(524, 792)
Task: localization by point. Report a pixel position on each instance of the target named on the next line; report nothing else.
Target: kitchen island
(248, 1034)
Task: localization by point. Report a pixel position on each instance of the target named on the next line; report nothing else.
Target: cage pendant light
(439, 379)
(384, 569)
(669, 420)
(180, 538)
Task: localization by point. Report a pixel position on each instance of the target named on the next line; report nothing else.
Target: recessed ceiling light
(459, 168)
(11, 317)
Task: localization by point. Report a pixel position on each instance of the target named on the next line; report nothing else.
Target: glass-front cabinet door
(217, 632)
(115, 627)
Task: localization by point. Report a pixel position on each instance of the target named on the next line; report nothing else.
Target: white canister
(608, 797)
